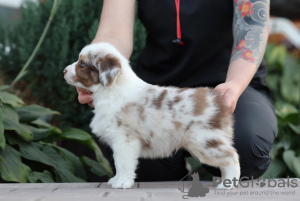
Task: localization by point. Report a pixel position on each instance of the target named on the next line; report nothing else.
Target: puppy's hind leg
(217, 153)
(230, 170)
(126, 155)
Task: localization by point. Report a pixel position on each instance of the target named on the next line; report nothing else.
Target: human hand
(84, 96)
(230, 93)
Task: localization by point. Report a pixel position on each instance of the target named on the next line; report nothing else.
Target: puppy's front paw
(123, 183)
(222, 187)
(112, 180)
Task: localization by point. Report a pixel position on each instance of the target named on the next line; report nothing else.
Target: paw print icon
(261, 184)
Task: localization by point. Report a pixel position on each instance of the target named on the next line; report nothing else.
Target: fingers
(229, 100)
(228, 92)
(220, 89)
(84, 91)
(91, 104)
(84, 96)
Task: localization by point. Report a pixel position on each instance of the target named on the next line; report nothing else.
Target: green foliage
(29, 150)
(73, 27)
(24, 70)
(284, 81)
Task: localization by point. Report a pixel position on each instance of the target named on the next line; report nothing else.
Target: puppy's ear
(109, 69)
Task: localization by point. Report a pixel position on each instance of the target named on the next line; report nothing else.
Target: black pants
(255, 131)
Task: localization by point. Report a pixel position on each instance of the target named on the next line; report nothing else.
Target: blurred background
(75, 24)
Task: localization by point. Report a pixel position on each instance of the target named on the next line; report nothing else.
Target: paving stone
(106, 186)
(4, 190)
(50, 185)
(147, 191)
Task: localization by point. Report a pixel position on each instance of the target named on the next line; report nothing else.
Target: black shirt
(203, 60)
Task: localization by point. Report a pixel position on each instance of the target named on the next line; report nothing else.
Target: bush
(73, 27)
(284, 81)
(29, 150)
(28, 143)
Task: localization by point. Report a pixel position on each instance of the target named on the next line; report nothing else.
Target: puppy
(137, 119)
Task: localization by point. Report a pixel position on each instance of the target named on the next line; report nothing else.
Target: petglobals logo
(246, 182)
(247, 187)
(196, 190)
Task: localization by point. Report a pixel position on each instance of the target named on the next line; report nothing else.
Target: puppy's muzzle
(65, 71)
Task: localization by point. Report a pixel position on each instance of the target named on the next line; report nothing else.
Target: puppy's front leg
(126, 155)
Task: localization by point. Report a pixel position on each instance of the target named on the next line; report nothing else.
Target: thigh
(254, 133)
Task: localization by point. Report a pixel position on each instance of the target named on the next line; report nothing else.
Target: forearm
(250, 32)
(116, 25)
(124, 47)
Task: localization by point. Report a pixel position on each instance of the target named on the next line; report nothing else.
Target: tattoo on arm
(250, 30)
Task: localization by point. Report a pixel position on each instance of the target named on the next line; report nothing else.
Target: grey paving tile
(50, 185)
(143, 191)
(33, 191)
(77, 191)
(4, 190)
(106, 186)
(89, 198)
(19, 198)
(27, 185)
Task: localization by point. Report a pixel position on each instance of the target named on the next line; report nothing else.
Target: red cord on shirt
(177, 3)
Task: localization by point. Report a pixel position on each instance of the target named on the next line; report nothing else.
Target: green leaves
(284, 110)
(295, 128)
(26, 136)
(24, 69)
(96, 167)
(86, 139)
(33, 112)
(277, 169)
(290, 90)
(74, 25)
(64, 164)
(284, 82)
(2, 137)
(284, 73)
(11, 122)
(3, 87)
(65, 170)
(41, 177)
(275, 56)
(11, 167)
(292, 162)
(10, 99)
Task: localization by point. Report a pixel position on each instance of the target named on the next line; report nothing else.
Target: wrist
(236, 87)
(239, 75)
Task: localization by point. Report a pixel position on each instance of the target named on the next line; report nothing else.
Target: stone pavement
(149, 191)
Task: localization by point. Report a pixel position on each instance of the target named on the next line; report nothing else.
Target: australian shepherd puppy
(137, 119)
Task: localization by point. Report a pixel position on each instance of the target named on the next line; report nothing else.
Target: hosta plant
(29, 150)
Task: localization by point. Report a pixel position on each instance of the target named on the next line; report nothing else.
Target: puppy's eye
(82, 64)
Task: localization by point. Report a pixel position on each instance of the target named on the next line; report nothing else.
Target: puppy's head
(98, 64)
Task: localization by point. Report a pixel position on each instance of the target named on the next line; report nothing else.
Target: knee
(256, 160)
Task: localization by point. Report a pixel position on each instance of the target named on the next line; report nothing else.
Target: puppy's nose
(65, 71)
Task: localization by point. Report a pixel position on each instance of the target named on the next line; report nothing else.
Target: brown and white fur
(137, 119)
